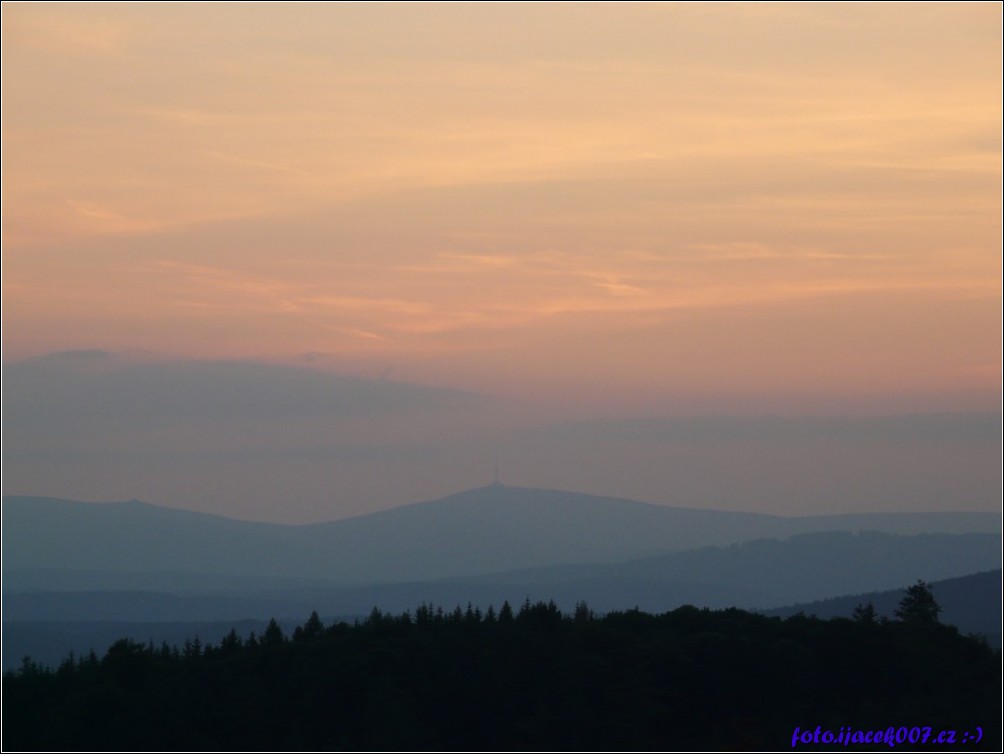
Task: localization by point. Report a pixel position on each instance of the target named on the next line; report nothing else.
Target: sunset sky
(591, 211)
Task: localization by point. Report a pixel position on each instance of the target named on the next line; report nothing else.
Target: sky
(569, 219)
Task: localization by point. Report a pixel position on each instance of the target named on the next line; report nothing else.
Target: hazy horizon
(295, 445)
(297, 265)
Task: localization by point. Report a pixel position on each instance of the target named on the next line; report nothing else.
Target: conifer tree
(505, 613)
(273, 634)
(865, 613)
(918, 605)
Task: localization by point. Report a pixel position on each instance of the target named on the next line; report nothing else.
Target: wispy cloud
(487, 197)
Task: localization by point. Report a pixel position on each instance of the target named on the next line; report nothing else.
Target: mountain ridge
(972, 603)
(484, 530)
(498, 486)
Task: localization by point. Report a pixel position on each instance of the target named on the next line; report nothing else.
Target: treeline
(531, 678)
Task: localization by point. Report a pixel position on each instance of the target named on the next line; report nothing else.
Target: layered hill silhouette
(753, 575)
(70, 566)
(758, 573)
(65, 545)
(971, 603)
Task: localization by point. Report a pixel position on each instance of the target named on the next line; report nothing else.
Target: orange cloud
(510, 192)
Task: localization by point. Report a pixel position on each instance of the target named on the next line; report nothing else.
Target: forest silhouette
(531, 678)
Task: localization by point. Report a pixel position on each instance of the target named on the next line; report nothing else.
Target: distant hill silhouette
(970, 603)
(61, 544)
(757, 574)
(66, 561)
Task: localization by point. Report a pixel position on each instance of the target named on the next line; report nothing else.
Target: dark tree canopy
(465, 680)
(865, 613)
(918, 605)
